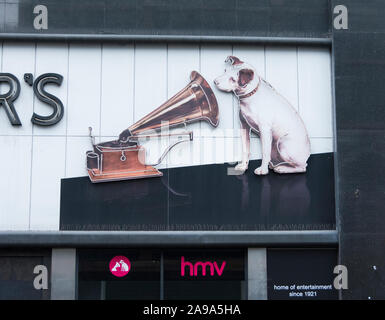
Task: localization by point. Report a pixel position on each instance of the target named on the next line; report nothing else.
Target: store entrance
(135, 274)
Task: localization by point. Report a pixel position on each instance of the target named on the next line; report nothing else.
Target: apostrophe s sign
(8, 99)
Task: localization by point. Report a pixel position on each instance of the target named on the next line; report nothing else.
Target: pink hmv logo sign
(120, 266)
(201, 268)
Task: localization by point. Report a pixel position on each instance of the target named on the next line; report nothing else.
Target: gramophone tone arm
(126, 137)
(190, 138)
(172, 146)
(136, 137)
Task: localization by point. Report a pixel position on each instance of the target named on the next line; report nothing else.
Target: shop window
(304, 274)
(18, 272)
(96, 281)
(118, 274)
(204, 274)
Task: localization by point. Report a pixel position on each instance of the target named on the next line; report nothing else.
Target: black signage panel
(305, 274)
(94, 264)
(118, 274)
(188, 198)
(203, 264)
(204, 274)
(152, 274)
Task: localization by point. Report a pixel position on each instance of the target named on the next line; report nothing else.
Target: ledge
(165, 38)
(166, 238)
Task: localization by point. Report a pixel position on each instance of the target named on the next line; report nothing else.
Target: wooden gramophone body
(124, 158)
(108, 163)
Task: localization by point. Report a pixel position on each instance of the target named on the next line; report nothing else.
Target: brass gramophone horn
(124, 158)
(194, 102)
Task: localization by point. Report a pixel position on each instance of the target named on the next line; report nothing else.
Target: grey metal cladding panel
(360, 98)
(363, 256)
(11, 17)
(2, 17)
(361, 170)
(281, 18)
(82, 16)
(359, 81)
(299, 18)
(365, 16)
(286, 18)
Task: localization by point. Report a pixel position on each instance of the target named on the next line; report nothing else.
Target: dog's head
(237, 76)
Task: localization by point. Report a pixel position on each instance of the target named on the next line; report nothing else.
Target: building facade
(199, 231)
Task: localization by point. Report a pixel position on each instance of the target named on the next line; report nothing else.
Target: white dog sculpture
(285, 143)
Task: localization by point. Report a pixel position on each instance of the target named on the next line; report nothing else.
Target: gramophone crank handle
(91, 136)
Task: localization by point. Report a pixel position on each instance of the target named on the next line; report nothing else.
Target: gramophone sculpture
(124, 158)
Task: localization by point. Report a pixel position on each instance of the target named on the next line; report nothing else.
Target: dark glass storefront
(96, 282)
(163, 274)
(204, 274)
(301, 274)
(18, 271)
(170, 274)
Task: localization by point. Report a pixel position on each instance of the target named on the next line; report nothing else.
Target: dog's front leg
(245, 137)
(266, 140)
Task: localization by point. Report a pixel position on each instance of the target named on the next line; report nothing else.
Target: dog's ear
(233, 60)
(245, 76)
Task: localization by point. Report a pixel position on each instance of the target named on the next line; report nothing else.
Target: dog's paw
(261, 171)
(241, 167)
(287, 169)
(280, 169)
